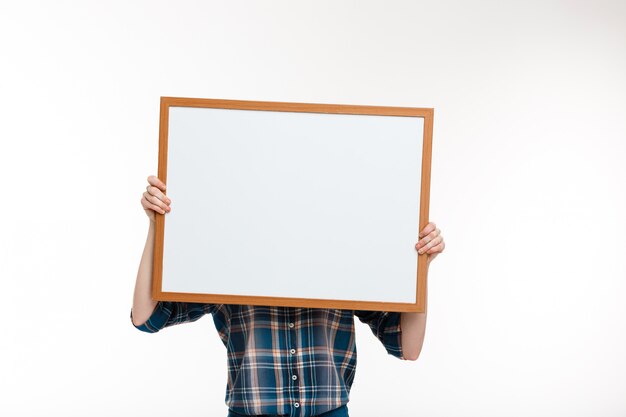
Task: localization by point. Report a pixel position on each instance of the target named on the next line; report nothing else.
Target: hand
(430, 242)
(153, 200)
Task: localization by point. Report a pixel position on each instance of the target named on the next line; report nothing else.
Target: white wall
(526, 311)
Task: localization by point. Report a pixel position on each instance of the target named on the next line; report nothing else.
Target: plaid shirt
(285, 360)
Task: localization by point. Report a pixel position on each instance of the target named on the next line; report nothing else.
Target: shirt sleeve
(169, 313)
(386, 327)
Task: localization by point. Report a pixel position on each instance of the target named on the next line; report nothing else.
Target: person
(298, 362)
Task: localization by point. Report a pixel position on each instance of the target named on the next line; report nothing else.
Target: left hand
(430, 241)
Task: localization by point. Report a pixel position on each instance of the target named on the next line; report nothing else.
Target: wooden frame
(426, 116)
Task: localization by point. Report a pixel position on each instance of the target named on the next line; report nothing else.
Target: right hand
(153, 200)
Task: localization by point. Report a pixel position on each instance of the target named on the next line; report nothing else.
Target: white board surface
(292, 204)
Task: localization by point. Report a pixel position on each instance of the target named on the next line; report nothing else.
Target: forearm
(143, 304)
(413, 327)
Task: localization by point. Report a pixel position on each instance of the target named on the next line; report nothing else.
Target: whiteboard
(298, 208)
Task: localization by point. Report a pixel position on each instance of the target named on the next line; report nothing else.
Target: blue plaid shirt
(285, 360)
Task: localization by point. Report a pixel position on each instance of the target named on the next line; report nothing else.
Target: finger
(155, 201)
(430, 244)
(149, 206)
(156, 208)
(436, 249)
(428, 238)
(433, 255)
(152, 180)
(158, 194)
(427, 229)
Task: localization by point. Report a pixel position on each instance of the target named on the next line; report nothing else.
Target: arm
(386, 327)
(143, 304)
(146, 314)
(152, 200)
(413, 325)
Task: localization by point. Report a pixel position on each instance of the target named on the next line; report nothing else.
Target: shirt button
(296, 405)
(291, 325)
(292, 351)
(294, 377)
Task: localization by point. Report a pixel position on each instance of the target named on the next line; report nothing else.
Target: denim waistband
(337, 412)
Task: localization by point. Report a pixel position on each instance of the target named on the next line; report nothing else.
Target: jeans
(337, 412)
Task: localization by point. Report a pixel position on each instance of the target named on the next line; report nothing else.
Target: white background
(526, 305)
